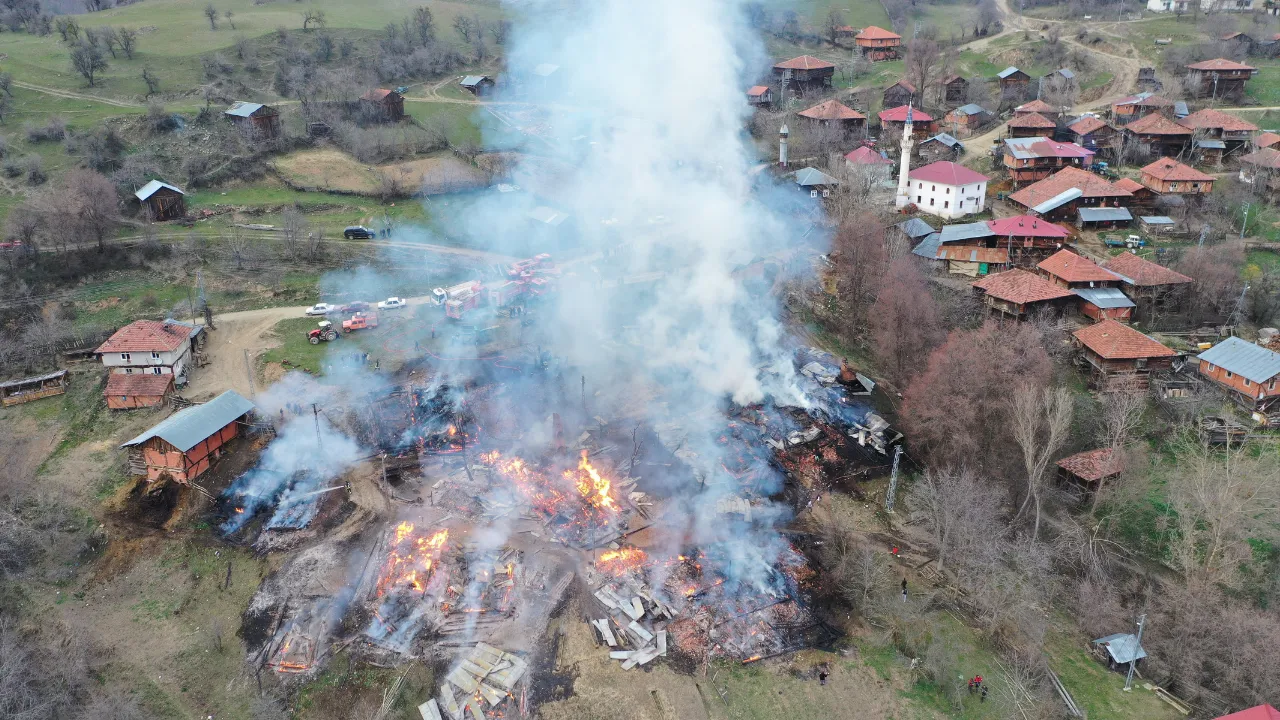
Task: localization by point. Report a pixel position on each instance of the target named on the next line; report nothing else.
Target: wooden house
(804, 74)
(893, 121)
(833, 114)
(878, 44)
(162, 201)
(24, 390)
(1138, 106)
(1262, 166)
(1210, 124)
(184, 445)
(1105, 303)
(1116, 351)
(1027, 238)
(1245, 42)
(127, 392)
(1037, 107)
(1031, 125)
(899, 93)
(760, 96)
(478, 85)
(1090, 468)
(940, 147)
(262, 121)
(1012, 81)
(1069, 270)
(973, 261)
(1267, 140)
(1147, 80)
(955, 89)
(1153, 288)
(1249, 371)
(1144, 198)
(1220, 77)
(1062, 77)
(1017, 292)
(844, 32)
(1030, 159)
(967, 119)
(1092, 132)
(815, 183)
(1160, 135)
(386, 105)
(1059, 196)
(1168, 176)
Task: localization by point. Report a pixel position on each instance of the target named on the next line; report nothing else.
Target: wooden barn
(1153, 288)
(1144, 198)
(127, 392)
(804, 74)
(1031, 125)
(387, 105)
(878, 44)
(478, 85)
(24, 390)
(1069, 270)
(759, 96)
(162, 201)
(966, 119)
(184, 445)
(1092, 132)
(1250, 371)
(1028, 239)
(955, 90)
(1139, 106)
(899, 93)
(1013, 82)
(1115, 350)
(1217, 125)
(1017, 292)
(1167, 176)
(1089, 468)
(1030, 159)
(254, 118)
(833, 114)
(1159, 134)
(1037, 107)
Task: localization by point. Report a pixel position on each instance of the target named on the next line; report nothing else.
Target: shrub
(52, 131)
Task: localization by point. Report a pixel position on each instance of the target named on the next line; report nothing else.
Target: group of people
(976, 686)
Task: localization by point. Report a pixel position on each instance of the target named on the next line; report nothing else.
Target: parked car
(360, 321)
(358, 232)
(322, 309)
(392, 303)
(356, 306)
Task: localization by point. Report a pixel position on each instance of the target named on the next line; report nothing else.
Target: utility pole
(893, 481)
(1133, 661)
(1204, 232)
(1245, 222)
(248, 371)
(315, 412)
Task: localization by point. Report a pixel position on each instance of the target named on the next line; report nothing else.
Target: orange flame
(591, 485)
(617, 562)
(411, 559)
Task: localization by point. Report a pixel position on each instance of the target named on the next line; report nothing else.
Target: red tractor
(323, 333)
(360, 321)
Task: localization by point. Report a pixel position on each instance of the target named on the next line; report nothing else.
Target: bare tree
(1041, 426)
(228, 15)
(924, 64)
(835, 21)
(904, 320)
(91, 202)
(1122, 409)
(500, 31)
(465, 26)
(153, 82)
(87, 60)
(211, 12)
(962, 510)
(424, 24)
(127, 38)
(293, 226)
(313, 17)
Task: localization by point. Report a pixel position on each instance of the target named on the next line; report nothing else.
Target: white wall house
(1205, 5)
(149, 346)
(947, 190)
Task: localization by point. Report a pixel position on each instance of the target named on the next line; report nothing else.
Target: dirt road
(76, 96)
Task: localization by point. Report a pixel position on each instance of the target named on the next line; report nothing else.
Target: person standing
(904, 589)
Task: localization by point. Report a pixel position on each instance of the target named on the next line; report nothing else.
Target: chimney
(783, 132)
(847, 375)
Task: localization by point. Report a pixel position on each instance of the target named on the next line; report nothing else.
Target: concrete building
(151, 347)
(947, 189)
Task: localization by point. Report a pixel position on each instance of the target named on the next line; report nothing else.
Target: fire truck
(528, 278)
(460, 298)
(360, 321)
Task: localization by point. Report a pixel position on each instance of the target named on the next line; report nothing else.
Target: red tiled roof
(1219, 64)
(1130, 184)
(945, 172)
(1148, 101)
(146, 336)
(376, 95)
(1142, 272)
(1266, 139)
(1113, 340)
(1020, 286)
(1170, 169)
(757, 90)
(1087, 124)
(877, 33)
(902, 84)
(1091, 465)
(138, 385)
(1032, 120)
(899, 114)
(1069, 177)
(1050, 148)
(1075, 268)
(1260, 712)
(1210, 118)
(1156, 124)
(1027, 226)
(1035, 106)
(866, 156)
(805, 62)
(963, 253)
(831, 110)
(1263, 157)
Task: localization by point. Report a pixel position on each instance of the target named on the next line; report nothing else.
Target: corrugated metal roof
(243, 109)
(971, 109)
(1007, 72)
(966, 231)
(915, 228)
(1211, 144)
(1105, 298)
(807, 177)
(151, 187)
(1105, 214)
(473, 80)
(945, 139)
(1058, 200)
(38, 378)
(1244, 359)
(1157, 220)
(928, 248)
(186, 428)
(1123, 647)
(1064, 72)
